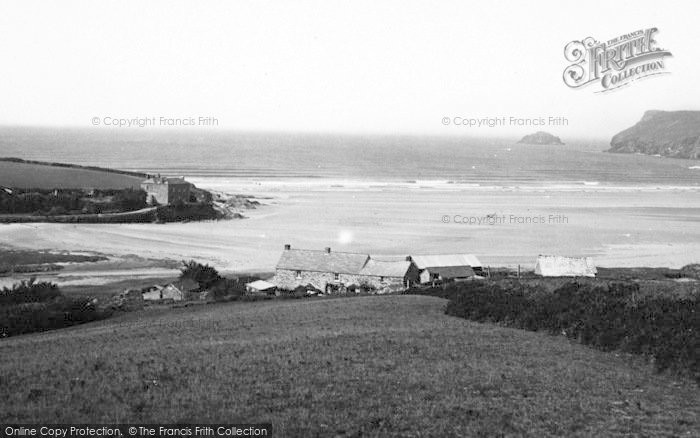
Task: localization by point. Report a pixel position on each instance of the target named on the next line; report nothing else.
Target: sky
(389, 67)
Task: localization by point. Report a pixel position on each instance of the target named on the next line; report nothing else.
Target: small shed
(559, 266)
(154, 293)
(177, 291)
(260, 287)
(446, 273)
(380, 274)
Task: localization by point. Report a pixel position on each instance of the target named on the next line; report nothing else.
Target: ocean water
(465, 160)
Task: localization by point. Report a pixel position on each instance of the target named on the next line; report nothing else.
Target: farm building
(330, 270)
(153, 293)
(558, 266)
(161, 190)
(381, 274)
(447, 267)
(260, 287)
(446, 274)
(178, 291)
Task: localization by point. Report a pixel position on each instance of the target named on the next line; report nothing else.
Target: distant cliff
(540, 137)
(673, 134)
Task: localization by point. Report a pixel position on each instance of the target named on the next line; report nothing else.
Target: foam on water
(411, 160)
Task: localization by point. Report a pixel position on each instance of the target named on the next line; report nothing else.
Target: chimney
(409, 259)
(287, 247)
(328, 250)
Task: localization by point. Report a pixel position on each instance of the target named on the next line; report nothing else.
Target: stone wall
(157, 191)
(178, 192)
(287, 279)
(382, 283)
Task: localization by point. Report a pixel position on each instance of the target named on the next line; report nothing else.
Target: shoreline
(617, 226)
(223, 183)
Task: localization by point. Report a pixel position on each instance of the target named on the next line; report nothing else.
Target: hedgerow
(30, 307)
(611, 316)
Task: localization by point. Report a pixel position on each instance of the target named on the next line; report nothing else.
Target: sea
(288, 156)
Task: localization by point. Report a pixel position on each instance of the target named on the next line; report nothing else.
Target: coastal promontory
(674, 134)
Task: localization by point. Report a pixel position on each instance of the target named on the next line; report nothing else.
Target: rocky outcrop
(233, 206)
(541, 137)
(673, 134)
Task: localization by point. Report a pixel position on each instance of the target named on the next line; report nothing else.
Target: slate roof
(378, 268)
(444, 260)
(322, 261)
(558, 266)
(449, 272)
(389, 258)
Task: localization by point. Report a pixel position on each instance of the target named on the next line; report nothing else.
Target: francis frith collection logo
(616, 62)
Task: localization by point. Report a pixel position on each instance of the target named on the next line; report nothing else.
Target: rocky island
(541, 137)
(673, 134)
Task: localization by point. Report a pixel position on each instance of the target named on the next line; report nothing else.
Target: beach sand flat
(617, 226)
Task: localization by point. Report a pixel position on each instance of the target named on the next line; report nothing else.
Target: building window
(298, 274)
(336, 276)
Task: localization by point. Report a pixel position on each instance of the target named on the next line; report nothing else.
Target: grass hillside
(363, 366)
(47, 176)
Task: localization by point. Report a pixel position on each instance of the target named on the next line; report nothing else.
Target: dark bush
(129, 199)
(298, 292)
(185, 212)
(206, 276)
(69, 201)
(226, 288)
(29, 292)
(30, 307)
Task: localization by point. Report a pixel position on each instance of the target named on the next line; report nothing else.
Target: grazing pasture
(45, 176)
(362, 366)
(20, 257)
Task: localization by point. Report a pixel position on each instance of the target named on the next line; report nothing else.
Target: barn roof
(444, 260)
(378, 268)
(322, 261)
(558, 266)
(448, 272)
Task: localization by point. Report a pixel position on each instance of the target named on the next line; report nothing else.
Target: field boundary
(143, 215)
(74, 166)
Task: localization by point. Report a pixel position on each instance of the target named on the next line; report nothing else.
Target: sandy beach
(617, 226)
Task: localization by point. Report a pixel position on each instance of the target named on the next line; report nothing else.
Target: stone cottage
(329, 270)
(397, 274)
(164, 191)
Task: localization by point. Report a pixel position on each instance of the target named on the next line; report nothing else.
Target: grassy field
(365, 366)
(113, 288)
(38, 176)
(19, 257)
